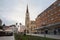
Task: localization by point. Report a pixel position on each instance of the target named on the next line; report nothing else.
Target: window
(42, 15)
(39, 16)
(55, 3)
(51, 13)
(52, 19)
(59, 4)
(55, 12)
(34, 27)
(58, 14)
(31, 28)
(48, 11)
(48, 15)
(59, 10)
(56, 17)
(32, 22)
(51, 9)
(44, 22)
(54, 7)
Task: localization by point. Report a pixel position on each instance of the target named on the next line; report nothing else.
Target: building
(49, 19)
(29, 24)
(32, 26)
(10, 28)
(14, 28)
(21, 28)
(27, 20)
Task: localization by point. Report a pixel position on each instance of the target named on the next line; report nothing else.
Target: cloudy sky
(12, 11)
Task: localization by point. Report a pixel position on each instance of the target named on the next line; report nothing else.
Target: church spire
(27, 10)
(27, 13)
(27, 20)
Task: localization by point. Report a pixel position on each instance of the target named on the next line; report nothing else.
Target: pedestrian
(55, 32)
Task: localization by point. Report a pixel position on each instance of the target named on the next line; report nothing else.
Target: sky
(13, 11)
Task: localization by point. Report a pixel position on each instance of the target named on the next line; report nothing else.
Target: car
(7, 33)
(2, 33)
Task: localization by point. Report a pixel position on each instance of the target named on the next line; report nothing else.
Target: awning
(47, 26)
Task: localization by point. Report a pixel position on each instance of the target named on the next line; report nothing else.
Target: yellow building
(32, 26)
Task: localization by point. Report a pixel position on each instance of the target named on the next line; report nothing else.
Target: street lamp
(44, 26)
(45, 32)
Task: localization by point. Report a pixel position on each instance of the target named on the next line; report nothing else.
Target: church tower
(27, 20)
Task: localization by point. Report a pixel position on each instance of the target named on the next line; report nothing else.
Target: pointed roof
(27, 10)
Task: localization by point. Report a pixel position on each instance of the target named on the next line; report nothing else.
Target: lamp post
(44, 30)
(45, 33)
(44, 26)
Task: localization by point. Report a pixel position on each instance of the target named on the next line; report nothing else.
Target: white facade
(21, 28)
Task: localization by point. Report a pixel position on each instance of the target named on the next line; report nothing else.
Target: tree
(20, 23)
(16, 23)
(0, 22)
(1, 27)
(25, 32)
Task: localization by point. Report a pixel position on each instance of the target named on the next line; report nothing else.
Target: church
(29, 24)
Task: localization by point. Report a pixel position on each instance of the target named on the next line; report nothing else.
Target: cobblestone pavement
(7, 38)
